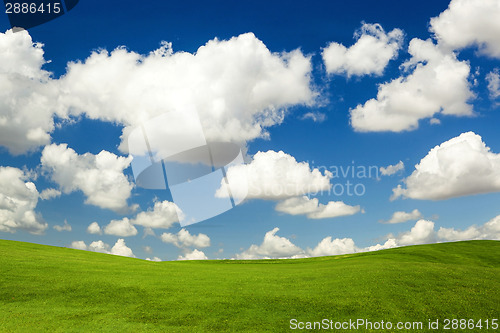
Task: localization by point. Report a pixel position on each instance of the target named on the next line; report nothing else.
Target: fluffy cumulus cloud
(184, 239)
(99, 246)
(400, 217)
(315, 210)
(163, 215)
(392, 169)
(389, 243)
(119, 249)
(100, 177)
(331, 247)
(493, 79)
(238, 87)
(64, 227)
(274, 175)
(193, 255)
(79, 245)
(122, 228)
(18, 200)
(28, 97)
(470, 22)
(153, 259)
(489, 230)
(423, 232)
(461, 166)
(94, 228)
(436, 83)
(370, 54)
(273, 246)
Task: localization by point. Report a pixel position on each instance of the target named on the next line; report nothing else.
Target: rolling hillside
(44, 288)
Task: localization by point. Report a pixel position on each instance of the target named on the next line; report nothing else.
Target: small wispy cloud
(317, 117)
(392, 169)
(64, 227)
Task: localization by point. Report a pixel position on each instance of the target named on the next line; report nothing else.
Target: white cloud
(392, 169)
(424, 233)
(78, 245)
(121, 249)
(461, 166)
(438, 84)
(122, 228)
(154, 259)
(49, 193)
(163, 215)
(100, 177)
(434, 121)
(96, 246)
(194, 255)
(493, 79)
(64, 227)
(451, 234)
(470, 22)
(94, 228)
(421, 233)
(184, 239)
(489, 230)
(334, 209)
(238, 87)
(274, 175)
(315, 210)
(331, 247)
(370, 54)
(18, 200)
(273, 246)
(99, 246)
(24, 87)
(400, 217)
(148, 232)
(148, 249)
(316, 117)
(390, 243)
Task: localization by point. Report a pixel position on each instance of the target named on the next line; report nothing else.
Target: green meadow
(52, 289)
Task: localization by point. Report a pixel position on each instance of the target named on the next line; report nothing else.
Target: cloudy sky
(362, 125)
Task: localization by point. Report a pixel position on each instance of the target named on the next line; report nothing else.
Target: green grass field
(45, 288)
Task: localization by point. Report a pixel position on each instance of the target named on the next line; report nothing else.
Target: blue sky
(451, 78)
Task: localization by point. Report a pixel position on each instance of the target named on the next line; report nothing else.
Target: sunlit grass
(45, 288)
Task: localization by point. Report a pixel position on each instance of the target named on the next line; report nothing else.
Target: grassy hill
(45, 288)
